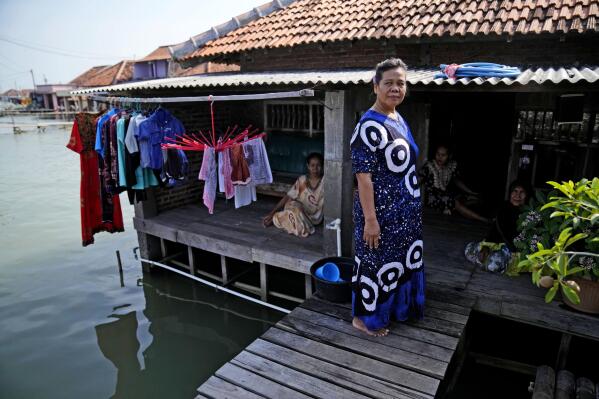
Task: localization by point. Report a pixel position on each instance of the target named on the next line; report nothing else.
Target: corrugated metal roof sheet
(423, 76)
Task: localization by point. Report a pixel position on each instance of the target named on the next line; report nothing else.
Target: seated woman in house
(443, 188)
(495, 252)
(301, 208)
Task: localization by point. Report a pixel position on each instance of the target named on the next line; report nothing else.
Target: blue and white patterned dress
(388, 282)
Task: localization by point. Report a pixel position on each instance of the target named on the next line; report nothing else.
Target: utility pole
(32, 78)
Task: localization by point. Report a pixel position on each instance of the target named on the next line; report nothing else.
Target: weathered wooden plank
(353, 361)
(215, 387)
(450, 307)
(443, 314)
(401, 329)
(446, 278)
(450, 296)
(217, 242)
(551, 316)
(396, 341)
(291, 378)
(428, 323)
(255, 383)
(399, 357)
(148, 226)
(332, 373)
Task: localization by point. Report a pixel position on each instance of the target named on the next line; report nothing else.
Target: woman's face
(441, 156)
(518, 196)
(314, 167)
(391, 90)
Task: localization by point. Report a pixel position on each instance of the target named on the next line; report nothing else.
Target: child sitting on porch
(442, 186)
(302, 205)
(495, 252)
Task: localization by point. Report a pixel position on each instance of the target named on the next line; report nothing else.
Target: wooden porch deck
(315, 352)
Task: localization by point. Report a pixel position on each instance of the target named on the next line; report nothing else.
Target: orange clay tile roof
(81, 80)
(161, 53)
(206, 67)
(318, 21)
(105, 75)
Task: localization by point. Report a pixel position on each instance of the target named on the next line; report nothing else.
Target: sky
(76, 35)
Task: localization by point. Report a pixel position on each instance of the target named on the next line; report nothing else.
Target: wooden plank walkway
(314, 352)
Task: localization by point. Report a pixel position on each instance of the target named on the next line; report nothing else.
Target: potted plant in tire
(563, 250)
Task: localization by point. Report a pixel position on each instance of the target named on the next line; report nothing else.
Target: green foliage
(558, 236)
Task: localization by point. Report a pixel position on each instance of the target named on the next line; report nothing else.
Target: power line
(9, 66)
(57, 52)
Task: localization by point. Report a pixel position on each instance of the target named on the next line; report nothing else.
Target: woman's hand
(267, 220)
(372, 233)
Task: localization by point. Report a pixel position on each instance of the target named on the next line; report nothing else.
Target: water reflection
(187, 333)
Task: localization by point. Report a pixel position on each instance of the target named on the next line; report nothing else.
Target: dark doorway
(478, 128)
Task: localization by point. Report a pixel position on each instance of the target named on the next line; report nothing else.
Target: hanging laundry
(245, 195)
(175, 168)
(240, 173)
(208, 173)
(160, 125)
(230, 169)
(224, 174)
(100, 210)
(257, 160)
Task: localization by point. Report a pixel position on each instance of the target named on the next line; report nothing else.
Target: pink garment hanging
(226, 171)
(208, 173)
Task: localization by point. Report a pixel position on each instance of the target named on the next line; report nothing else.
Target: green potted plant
(559, 243)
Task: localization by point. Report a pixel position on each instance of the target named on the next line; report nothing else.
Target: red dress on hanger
(82, 141)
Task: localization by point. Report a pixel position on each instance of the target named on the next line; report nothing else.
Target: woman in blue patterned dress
(388, 281)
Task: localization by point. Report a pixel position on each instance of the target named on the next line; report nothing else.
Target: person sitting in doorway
(497, 251)
(301, 208)
(443, 186)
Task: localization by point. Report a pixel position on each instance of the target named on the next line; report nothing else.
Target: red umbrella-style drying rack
(203, 140)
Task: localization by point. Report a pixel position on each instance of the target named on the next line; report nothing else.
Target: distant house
(98, 76)
(105, 75)
(53, 96)
(155, 65)
(159, 65)
(15, 96)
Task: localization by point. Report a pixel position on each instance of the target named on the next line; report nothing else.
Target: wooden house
(541, 125)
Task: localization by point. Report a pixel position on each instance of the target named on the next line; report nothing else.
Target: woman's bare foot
(359, 324)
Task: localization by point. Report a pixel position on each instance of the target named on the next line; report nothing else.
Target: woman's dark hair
(387, 65)
(520, 183)
(316, 155)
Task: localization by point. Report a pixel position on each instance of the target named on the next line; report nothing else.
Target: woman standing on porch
(388, 281)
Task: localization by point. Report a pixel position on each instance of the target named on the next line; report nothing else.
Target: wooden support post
(457, 363)
(544, 383)
(192, 261)
(308, 285)
(163, 248)
(148, 249)
(338, 128)
(223, 269)
(565, 385)
(585, 389)
(263, 282)
(564, 349)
